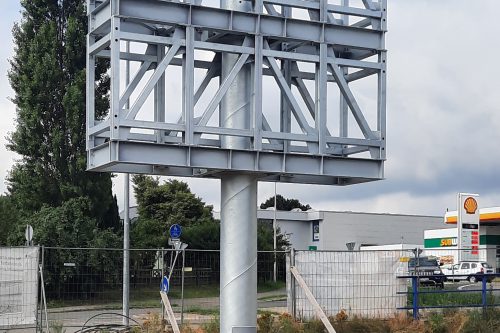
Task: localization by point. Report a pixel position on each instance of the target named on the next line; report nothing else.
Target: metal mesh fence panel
(84, 285)
(18, 286)
(359, 283)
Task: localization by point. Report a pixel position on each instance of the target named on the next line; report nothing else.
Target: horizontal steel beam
(233, 22)
(181, 160)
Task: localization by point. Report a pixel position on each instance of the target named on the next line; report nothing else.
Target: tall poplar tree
(48, 77)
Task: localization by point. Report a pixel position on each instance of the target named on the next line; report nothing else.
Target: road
(466, 285)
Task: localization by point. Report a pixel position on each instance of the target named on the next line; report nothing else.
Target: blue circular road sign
(175, 231)
(164, 286)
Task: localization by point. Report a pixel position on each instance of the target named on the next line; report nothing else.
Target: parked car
(450, 270)
(468, 270)
(427, 268)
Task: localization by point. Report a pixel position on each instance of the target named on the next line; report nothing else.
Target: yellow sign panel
(448, 242)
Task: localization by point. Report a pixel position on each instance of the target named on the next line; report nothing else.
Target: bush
(314, 326)
(213, 326)
(479, 322)
(437, 324)
(287, 324)
(265, 323)
(362, 325)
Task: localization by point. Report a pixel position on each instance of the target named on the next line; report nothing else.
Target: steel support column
(238, 276)
(238, 282)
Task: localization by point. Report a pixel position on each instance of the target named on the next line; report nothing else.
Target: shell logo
(470, 205)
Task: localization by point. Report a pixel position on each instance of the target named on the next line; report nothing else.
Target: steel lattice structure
(304, 46)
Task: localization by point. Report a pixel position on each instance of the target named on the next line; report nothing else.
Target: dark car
(428, 271)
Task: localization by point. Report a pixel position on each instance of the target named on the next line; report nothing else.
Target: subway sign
(440, 242)
(445, 242)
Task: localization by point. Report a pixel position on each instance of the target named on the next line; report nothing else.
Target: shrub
(265, 323)
(287, 324)
(213, 326)
(314, 326)
(154, 323)
(437, 324)
(479, 322)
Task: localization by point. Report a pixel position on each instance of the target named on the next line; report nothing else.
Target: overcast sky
(443, 113)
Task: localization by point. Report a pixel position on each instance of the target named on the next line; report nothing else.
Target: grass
(111, 299)
(214, 289)
(270, 286)
(149, 296)
(195, 292)
(273, 298)
(449, 298)
(202, 311)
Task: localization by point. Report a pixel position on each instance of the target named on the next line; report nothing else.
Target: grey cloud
(443, 113)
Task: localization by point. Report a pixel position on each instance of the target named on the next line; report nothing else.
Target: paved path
(74, 317)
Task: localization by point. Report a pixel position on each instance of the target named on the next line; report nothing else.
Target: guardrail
(416, 291)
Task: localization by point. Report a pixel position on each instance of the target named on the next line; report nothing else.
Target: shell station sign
(468, 227)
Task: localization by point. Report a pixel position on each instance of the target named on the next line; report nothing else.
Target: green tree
(161, 205)
(283, 203)
(265, 241)
(71, 225)
(9, 218)
(47, 75)
(204, 236)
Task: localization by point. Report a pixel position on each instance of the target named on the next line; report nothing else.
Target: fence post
(41, 288)
(414, 285)
(483, 294)
(182, 286)
(162, 275)
(292, 284)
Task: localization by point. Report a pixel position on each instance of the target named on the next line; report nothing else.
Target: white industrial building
(331, 230)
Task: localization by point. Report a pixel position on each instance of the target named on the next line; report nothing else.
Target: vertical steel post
(292, 284)
(484, 299)
(41, 288)
(162, 275)
(274, 236)
(126, 224)
(344, 108)
(238, 281)
(414, 285)
(182, 286)
(126, 255)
